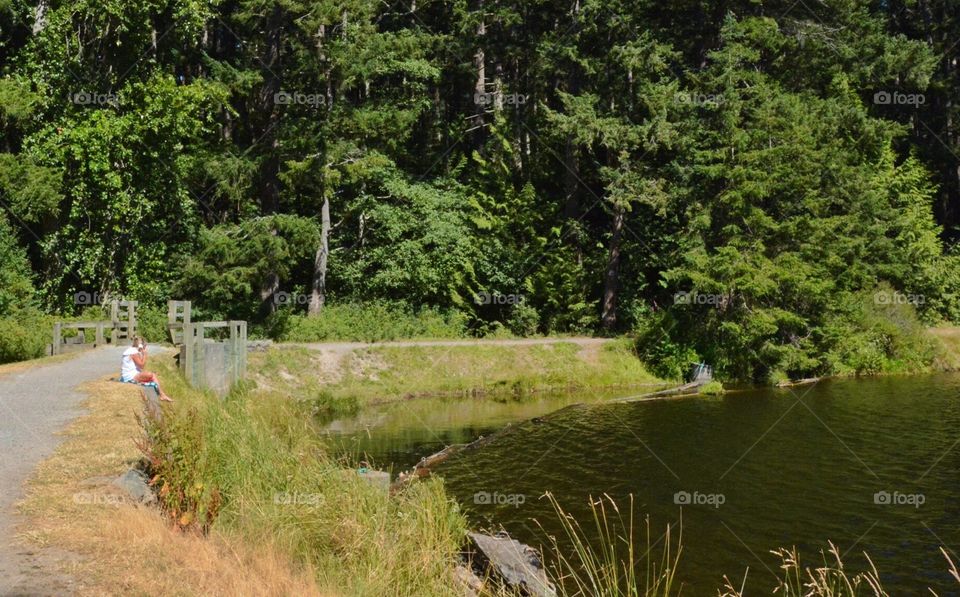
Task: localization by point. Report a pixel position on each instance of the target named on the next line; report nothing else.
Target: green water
(771, 468)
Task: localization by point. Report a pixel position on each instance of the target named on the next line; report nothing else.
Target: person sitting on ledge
(132, 367)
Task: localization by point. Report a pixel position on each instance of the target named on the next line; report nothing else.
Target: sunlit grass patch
(343, 381)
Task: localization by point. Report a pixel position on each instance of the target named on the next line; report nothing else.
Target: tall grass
(255, 467)
(605, 562)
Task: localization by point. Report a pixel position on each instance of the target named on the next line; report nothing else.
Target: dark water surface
(770, 468)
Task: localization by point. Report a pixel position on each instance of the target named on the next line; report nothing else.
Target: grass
(254, 467)
(949, 341)
(711, 388)
(612, 569)
(252, 506)
(130, 549)
(348, 380)
(603, 560)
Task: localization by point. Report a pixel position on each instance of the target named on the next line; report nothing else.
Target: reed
(605, 561)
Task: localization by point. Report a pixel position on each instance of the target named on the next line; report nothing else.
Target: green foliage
(24, 335)
(238, 269)
(16, 287)
(601, 161)
(152, 323)
(524, 319)
(668, 359)
(373, 322)
(713, 388)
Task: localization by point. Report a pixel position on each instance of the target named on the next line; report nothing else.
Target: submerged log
(799, 382)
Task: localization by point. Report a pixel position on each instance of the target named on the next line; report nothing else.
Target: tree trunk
(318, 294)
(269, 288)
(270, 167)
(40, 17)
(480, 96)
(611, 278)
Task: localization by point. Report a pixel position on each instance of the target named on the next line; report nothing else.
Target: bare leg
(150, 377)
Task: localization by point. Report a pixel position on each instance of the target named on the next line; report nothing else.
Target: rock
(379, 479)
(517, 565)
(134, 483)
(470, 583)
(258, 345)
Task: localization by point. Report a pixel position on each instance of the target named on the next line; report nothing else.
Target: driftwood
(687, 388)
(799, 382)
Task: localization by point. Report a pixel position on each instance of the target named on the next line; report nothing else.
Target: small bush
(152, 324)
(524, 319)
(713, 388)
(24, 335)
(665, 357)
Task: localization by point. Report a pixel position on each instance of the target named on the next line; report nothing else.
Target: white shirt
(128, 369)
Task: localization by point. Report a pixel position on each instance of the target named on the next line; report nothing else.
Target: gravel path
(350, 346)
(34, 405)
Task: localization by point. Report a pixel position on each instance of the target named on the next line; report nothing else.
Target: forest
(769, 187)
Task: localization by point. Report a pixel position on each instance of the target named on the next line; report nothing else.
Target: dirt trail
(35, 403)
(351, 346)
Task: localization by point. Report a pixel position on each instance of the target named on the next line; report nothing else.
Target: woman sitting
(132, 367)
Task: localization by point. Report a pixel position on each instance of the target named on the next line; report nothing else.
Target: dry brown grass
(127, 549)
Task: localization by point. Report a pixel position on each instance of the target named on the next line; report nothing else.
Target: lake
(872, 465)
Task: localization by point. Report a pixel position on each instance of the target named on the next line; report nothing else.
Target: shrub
(713, 388)
(24, 335)
(152, 323)
(524, 319)
(373, 322)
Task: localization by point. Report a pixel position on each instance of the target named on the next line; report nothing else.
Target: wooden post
(57, 339)
(178, 314)
(131, 319)
(99, 337)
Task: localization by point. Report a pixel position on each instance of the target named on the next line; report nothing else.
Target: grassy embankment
(948, 339)
(342, 381)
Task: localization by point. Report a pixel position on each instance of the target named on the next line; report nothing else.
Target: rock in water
(516, 564)
(134, 483)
